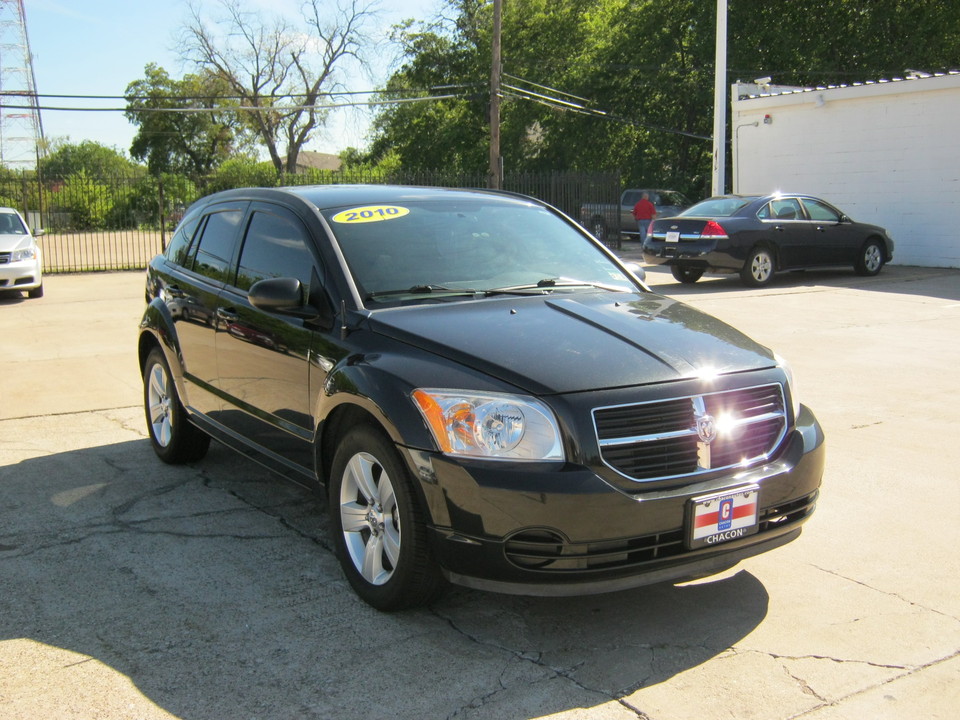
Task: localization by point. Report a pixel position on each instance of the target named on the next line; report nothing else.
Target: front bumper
(23, 275)
(544, 530)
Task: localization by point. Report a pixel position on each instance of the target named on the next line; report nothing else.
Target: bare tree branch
(268, 61)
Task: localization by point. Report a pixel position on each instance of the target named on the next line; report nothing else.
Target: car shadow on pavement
(212, 587)
(12, 297)
(941, 283)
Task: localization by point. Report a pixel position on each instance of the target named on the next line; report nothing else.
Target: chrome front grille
(5, 258)
(692, 435)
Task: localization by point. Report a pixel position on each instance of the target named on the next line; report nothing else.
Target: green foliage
(89, 157)
(88, 201)
(242, 172)
(143, 202)
(642, 72)
(194, 141)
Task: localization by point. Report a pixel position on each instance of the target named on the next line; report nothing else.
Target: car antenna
(343, 319)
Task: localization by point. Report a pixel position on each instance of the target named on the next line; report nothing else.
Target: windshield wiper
(547, 284)
(424, 290)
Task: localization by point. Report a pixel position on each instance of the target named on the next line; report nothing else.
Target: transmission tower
(21, 132)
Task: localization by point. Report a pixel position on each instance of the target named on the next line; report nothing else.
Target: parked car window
(717, 207)
(275, 246)
(217, 243)
(785, 209)
(820, 211)
(178, 250)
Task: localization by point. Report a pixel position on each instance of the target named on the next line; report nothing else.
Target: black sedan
(485, 394)
(757, 236)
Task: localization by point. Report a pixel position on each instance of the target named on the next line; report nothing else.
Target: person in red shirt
(644, 212)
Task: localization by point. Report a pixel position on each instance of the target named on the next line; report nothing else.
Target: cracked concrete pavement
(131, 589)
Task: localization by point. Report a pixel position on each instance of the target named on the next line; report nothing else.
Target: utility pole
(720, 102)
(495, 173)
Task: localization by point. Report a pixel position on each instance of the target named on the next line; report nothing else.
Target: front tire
(870, 260)
(37, 292)
(175, 440)
(758, 270)
(686, 275)
(378, 525)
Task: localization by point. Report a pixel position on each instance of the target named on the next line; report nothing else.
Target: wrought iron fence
(120, 223)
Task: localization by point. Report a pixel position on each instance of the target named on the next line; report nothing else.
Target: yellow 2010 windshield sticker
(370, 213)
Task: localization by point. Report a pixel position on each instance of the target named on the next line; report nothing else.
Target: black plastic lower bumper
(548, 530)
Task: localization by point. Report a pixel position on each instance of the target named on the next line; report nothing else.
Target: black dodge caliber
(486, 395)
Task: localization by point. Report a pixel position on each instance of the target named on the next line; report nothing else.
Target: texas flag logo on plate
(730, 515)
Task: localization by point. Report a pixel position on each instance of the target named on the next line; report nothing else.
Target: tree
(640, 73)
(91, 157)
(280, 70)
(187, 126)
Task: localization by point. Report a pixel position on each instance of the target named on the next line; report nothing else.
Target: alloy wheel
(370, 519)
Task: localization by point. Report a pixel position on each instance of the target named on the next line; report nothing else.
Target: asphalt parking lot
(131, 589)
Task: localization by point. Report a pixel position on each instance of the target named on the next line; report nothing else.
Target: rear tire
(758, 269)
(870, 260)
(686, 275)
(175, 440)
(378, 526)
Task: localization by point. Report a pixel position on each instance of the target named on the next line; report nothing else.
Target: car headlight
(791, 385)
(490, 425)
(29, 253)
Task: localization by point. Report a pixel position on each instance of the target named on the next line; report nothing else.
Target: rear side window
(781, 209)
(217, 244)
(275, 246)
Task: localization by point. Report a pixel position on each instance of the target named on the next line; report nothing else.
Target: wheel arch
(156, 330)
(881, 243)
(355, 394)
(770, 246)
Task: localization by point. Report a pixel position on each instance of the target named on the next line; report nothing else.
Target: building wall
(886, 153)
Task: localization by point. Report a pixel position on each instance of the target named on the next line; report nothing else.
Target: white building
(884, 152)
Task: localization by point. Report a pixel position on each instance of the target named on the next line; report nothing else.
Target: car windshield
(10, 224)
(475, 247)
(717, 207)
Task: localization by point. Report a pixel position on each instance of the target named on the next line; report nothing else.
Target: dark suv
(487, 395)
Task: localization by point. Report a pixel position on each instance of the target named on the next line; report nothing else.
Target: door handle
(821, 228)
(779, 228)
(227, 315)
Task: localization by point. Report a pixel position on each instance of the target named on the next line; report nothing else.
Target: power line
(250, 108)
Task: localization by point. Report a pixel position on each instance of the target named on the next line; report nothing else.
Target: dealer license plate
(715, 519)
(673, 236)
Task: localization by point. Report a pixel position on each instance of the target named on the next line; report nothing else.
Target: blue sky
(97, 47)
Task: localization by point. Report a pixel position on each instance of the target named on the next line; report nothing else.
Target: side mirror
(280, 295)
(285, 296)
(637, 271)
(37, 232)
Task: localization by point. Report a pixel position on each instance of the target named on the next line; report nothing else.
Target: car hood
(575, 342)
(10, 242)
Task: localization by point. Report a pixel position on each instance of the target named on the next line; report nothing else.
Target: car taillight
(713, 230)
